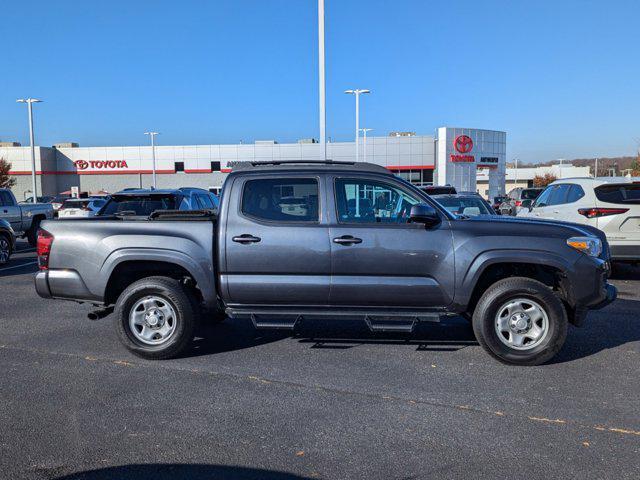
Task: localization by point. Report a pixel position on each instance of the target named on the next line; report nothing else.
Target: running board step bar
(398, 325)
(275, 323)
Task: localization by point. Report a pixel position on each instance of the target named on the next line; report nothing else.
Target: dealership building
(455, 156)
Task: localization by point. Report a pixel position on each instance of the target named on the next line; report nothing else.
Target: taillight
(601, 212)
(518, 203)
(45, 240)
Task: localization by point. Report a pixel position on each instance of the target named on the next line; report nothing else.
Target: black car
(438, 189)
(467, 204)
(143, 202)
(7, 241)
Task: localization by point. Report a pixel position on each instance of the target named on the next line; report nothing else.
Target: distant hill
(604, 164)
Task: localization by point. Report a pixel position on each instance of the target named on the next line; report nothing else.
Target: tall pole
(357, 126)
(515, 178)
(595, 174)
(153, 155)
(357, 93)
(33, 154)
(34, 185)
(321, 82)
(364, 141)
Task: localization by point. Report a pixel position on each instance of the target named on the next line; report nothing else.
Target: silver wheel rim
(521, 324)
(4, 250)
(152, 320)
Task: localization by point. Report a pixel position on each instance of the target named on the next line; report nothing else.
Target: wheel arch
(489, 267)
(126, 266)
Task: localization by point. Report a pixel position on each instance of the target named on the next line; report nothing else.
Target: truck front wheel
(156, 318)
(520, 321)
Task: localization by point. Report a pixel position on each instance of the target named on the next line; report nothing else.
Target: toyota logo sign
(82, 164)
(463, 143)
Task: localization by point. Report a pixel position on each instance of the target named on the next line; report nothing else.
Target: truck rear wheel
(520, 321)
(32, 234)
(156, 318)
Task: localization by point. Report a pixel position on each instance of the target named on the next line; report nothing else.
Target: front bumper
(610, 296)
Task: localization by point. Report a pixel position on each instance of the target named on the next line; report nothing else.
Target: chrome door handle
(246, 238)
(347, 240)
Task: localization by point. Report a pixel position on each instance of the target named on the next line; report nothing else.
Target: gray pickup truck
(24, 218)
(303, 240)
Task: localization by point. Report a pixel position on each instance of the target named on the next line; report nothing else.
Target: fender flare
(200, 269)
(491, 257)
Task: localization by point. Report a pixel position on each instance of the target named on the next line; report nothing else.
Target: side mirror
(528, 204)
(423, 213)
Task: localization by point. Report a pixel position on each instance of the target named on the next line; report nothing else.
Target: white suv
(611, 204)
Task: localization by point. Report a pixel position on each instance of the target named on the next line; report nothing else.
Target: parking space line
(17, 266)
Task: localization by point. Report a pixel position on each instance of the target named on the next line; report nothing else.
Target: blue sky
(561, 77)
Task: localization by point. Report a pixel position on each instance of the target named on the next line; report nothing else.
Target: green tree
(635, 167)
(6, 180)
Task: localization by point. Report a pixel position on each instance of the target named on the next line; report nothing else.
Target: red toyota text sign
(463, 158)
(100, 164)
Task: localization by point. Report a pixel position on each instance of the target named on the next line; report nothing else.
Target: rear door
(378, 258)
(276, 246)
(9, 211)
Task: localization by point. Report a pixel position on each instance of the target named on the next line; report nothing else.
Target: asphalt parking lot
(331, 401)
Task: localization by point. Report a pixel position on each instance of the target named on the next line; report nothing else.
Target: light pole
(364, 141)
(515, 178)
(30, 101)
(321, 81)
(357, 93)
(152, 135)
(595, 174)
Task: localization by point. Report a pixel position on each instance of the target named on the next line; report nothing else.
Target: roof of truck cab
(159, 191)
(306, 165)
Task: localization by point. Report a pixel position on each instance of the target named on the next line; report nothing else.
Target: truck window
(5, 199)
(281, 199)
(370, 201)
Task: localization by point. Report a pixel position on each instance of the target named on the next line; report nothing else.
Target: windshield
(138, 206)
(468, 206)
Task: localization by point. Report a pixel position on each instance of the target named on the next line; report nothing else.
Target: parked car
(497, 201)
(81, 207)
(516, 196)
(142, 202)
(7, 242)
(369, 245)
(438, 189)
(24, 218)
(465, 204)
(611, 204)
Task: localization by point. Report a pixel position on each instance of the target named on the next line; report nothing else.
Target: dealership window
(370, 201)
(215, 166)
(179, 166)
(418, 176)
(281, 199)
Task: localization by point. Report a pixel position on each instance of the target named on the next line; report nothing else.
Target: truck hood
(572, 229)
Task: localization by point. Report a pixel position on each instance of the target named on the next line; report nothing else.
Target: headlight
(592, 246)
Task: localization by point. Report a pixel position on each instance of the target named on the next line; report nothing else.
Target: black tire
(501, 292)
(5, 238)
(32, 234)
(178, 297)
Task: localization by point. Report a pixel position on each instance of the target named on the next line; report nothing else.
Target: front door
(378, 258)
(277, 242)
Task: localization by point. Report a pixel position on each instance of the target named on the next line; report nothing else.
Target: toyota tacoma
(305, 240)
